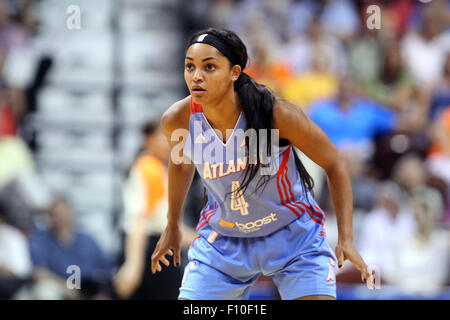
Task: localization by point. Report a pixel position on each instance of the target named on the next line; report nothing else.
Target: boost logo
(256, 225)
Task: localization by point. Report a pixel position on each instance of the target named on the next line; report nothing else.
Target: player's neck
(224, 113)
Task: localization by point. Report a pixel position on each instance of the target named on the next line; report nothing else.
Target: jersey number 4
(237, 199)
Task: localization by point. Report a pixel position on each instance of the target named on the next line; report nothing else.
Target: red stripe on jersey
(281, 184)
(207, 220)
(195, 107)
(193, 241)
(315, 213)
(204, 214)
(318, 217)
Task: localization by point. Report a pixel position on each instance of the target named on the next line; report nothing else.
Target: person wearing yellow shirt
(317, 83)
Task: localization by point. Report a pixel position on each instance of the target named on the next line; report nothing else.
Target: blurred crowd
(382, 95)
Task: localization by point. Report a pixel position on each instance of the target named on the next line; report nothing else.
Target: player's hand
(169, 243)
(347, 251)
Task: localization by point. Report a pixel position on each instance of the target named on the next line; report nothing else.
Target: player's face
(208, 74)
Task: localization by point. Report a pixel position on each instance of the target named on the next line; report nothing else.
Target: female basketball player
(252, 224)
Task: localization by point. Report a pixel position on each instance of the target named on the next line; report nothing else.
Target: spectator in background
(61, 245)
(340, 18)
(438, 159)
(15, 158)
(21, 191)
(422, 261)
(251, 16)
(440, 92)
(364, 55)
(265, 67)
(317, 83)
(389, 223)
(300, 50)
(145, 206)
(221, 12)
(299, 16)
(410, 173)
(15, 261)
(393, 87)
(425, 51)
(16, 59)
(351, 121)
(397, 15)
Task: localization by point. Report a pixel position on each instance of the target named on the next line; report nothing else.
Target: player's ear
(235, 72)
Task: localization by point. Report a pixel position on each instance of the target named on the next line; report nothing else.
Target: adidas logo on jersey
(201, 139)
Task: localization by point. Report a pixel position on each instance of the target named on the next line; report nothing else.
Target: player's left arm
(304, 134)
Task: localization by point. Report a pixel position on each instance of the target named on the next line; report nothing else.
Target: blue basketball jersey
(221, 166)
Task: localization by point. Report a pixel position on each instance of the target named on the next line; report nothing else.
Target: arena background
(79, 78)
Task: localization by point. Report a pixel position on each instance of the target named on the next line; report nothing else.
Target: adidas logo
(201, 139)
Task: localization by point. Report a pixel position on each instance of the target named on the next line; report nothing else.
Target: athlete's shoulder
(288, 118)
(283, 108)
(176, 116)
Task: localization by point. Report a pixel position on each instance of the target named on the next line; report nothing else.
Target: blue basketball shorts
(297, 258)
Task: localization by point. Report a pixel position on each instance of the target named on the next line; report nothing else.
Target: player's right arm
(181, 172)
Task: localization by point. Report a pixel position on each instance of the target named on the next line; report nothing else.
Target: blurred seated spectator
(438, 159)
(352, 121)
(15, 261)
(389, 223)
(21, 190)
(16, 55)
(60, 246)
(422, 261)
(340, 18)
(300, 50)
(364, 55)
(425, 51)
(317, 83)
(393, 87)
(440, 92)
(265, 67)
(251, 16)
(397, 16)
(299, 16)
(390, 147)
(411, 174)
(15, 158)
(144, 220)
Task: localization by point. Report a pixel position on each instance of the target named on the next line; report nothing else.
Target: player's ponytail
(257, 101)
